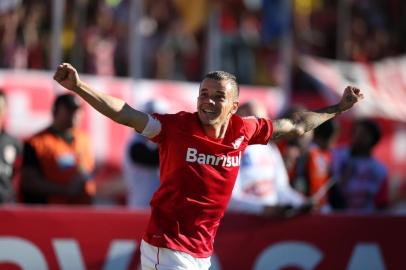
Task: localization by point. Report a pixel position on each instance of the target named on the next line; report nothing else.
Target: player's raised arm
(112, 107)
(301, 122)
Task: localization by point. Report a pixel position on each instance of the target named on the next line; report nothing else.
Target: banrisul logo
(237, 142)
(192, 155)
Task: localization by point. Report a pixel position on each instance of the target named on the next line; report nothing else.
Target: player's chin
(208, 121)
(205, 118)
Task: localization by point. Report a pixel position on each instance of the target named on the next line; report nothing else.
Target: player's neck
(216, 131)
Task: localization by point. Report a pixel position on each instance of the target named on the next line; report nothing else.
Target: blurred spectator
(194, 15)
(176, 53)
(155, 26)
(24, 34)
(315, 27)
(141, 164)
(317, 161)
(35, 35)
(362, 181)
(58, 164)
(302, 10)
(180, 56)
(10, 149)
(262, 186)
(13, 52)
(101, 42)
(294, 152)
(320, 160)
(240, 37)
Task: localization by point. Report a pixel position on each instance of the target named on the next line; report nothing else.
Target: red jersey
(197, 175)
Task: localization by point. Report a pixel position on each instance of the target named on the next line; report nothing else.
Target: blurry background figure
(141, 164)
(58, 163)
(314, 174)
(100, 42)
(262, 186)
(10, 149)
(294, 151)
(362, 180)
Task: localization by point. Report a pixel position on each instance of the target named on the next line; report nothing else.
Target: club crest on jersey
(226, 161)
(237, 142)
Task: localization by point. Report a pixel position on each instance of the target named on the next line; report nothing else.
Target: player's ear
(235, 107)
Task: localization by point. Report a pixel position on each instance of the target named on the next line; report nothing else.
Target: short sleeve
(161, 119)
(259, 130)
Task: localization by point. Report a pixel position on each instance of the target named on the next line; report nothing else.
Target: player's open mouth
(209, 112)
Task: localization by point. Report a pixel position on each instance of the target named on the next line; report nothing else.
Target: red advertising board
(94, 238)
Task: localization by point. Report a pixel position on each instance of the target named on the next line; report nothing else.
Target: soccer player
(200, 154)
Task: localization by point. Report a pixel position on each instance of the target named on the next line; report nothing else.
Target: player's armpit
(284, 128)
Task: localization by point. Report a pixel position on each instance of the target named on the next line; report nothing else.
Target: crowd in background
(281, 179)
(175, 35)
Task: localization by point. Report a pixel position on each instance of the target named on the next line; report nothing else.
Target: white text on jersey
(226, 161)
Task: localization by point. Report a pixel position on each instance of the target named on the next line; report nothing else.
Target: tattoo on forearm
(277, 129)
(301, 122)
(311, 120)
(334, 109)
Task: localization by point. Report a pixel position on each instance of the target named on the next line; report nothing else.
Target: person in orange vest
(319, 162)
(58, 162)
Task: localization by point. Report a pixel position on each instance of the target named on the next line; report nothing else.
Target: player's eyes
(215, 97)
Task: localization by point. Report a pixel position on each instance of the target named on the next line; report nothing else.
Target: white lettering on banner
(306, 256)
(214, 262)
(68, 254)
(226, 161)
(120, 254)
(26, 255)
(22, 253)
(20, 109)
(289, 253)
(366, 256)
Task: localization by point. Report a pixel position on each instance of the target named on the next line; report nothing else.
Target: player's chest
(198, 149)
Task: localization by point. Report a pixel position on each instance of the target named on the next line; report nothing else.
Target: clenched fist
(67, 76)
(350, 96)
